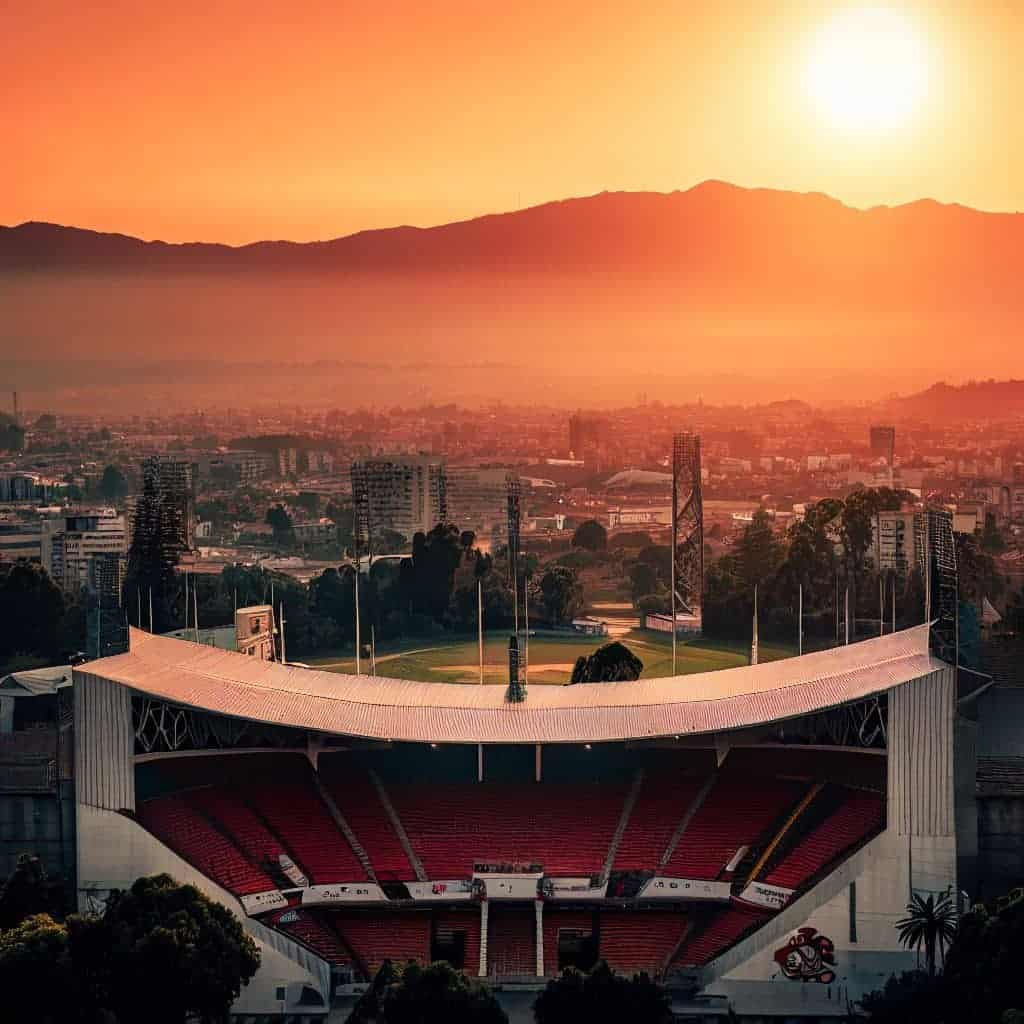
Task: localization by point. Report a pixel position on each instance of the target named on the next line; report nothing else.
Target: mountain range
(582, 299)
(722, 242)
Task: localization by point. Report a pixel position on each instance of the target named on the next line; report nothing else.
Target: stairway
(343, 825)
(620, 829)
(684, 821)
(396, 824)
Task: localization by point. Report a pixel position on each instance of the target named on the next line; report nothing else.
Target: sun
(867, 69)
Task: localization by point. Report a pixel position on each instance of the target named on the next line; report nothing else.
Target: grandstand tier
(723, 832)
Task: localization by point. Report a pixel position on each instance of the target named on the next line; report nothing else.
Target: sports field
(551, 658)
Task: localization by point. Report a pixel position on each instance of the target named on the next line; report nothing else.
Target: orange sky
(234, 121)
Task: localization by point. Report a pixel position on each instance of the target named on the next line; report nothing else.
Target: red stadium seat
(566, 828)
(735, 813)
(359, 802)
(174, 821)
(640, 941)
(858, 816)
(375, 937)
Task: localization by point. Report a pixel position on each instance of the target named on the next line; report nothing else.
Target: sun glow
(867, 69)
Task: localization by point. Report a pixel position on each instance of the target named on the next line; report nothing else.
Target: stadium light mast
(195, 610)
(284, 657)
(480, 626)
(800, 620)
(151, 609)
(358, 664)
(753, 639)
(687, 575)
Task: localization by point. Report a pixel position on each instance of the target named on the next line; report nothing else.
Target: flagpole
(846, 616)
(753, 641)
(358, 663)
(373, 649)
(894, 603)
(526, 620)
(881, 607)
(800, 620)
(284, 659)
(186, 600)
(480, 626)
(195, 610)
(151, 609)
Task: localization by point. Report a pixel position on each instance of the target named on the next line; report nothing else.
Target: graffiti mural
(808, 956)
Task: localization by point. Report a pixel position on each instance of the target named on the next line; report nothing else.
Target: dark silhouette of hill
(718, 245)
(975, 400)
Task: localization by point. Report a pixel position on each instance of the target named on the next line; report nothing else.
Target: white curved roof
(227, 683)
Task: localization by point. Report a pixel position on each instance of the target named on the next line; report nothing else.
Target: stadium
(748, 836)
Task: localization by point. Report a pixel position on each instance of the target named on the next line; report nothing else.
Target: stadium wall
(857, 906)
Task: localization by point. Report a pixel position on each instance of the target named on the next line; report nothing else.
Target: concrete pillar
(483, 939)
(538, 909)
(537, 763)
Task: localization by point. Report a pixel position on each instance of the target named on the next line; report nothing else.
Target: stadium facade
(750, 836)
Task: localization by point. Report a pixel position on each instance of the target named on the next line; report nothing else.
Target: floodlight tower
(687, 529)
(514, 495)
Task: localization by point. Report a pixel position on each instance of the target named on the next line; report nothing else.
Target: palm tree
(930, 923)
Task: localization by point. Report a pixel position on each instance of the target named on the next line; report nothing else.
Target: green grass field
(551, 658)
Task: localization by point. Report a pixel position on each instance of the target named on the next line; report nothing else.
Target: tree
(36, 974)
(981, 969)
(157, 542)
(12, 437)
(46, 423)
(280, 522)
(31, 610)
(857, 526)
(411, 994)
(591, 536)
(25, 893)
(758, 553)
(113, 485)
(911, 998)
(643, 579)
(602, 997)
(390, 542)
(561, 594)
(930, 923)
(610, 663)
(630, 539)
(162, 937)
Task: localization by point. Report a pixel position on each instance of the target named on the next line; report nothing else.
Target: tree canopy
(561, 594)
(412, 994)
(613, 662)
(602, 997)
(161, 953)
(591, 536)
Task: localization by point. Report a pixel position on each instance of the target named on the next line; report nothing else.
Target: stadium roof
(226, 683)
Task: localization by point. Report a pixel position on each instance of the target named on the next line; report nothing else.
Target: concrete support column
(483, 939)
(537, 763)
(538, 909)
